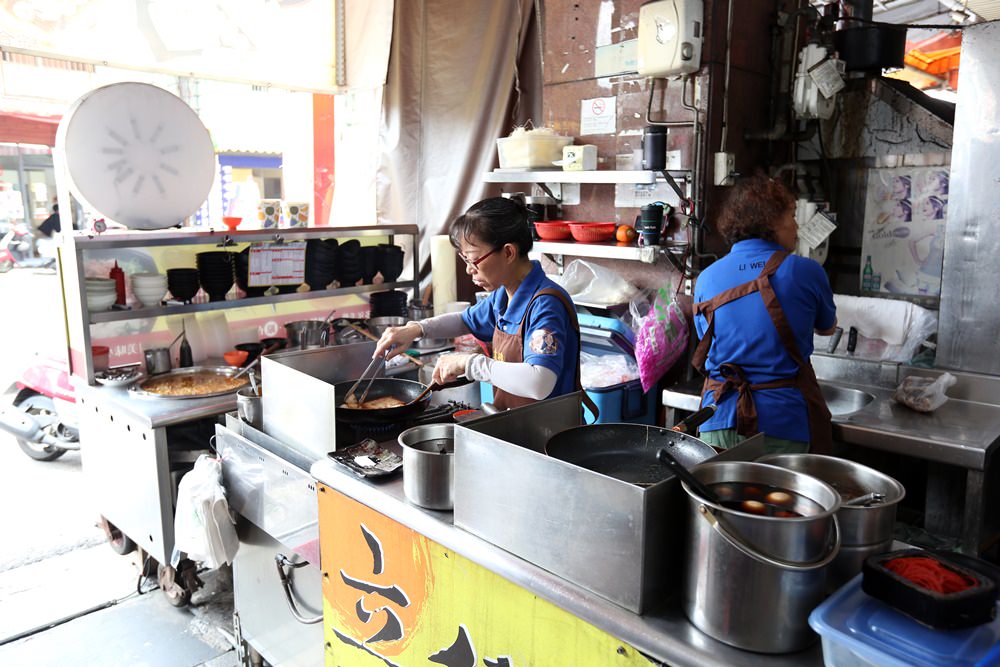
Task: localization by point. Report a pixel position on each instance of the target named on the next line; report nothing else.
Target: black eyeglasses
(474, 263)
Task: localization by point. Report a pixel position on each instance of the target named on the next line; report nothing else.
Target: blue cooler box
(624, 402)
(860, 631)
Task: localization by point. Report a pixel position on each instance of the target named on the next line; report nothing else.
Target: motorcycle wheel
(38, 405)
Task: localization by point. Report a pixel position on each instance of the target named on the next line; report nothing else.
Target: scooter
(43, 415)
(16, 249)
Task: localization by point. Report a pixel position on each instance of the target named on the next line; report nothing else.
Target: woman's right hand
(397, 340)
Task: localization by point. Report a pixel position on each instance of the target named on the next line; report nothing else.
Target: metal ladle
(872, 498)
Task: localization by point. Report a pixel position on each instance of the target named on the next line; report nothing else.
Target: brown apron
(510, 348)
(820, 429)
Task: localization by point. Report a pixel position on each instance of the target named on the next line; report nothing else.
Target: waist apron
(820, 428)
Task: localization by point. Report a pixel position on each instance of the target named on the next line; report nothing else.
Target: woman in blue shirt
(528, 319)
(756, 310)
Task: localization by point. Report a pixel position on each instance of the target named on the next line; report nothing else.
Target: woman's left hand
(449, 367)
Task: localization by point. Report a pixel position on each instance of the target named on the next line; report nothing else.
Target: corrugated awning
(25, 128)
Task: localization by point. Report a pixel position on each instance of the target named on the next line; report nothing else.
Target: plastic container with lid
(101, 355)
(531, 151)
(858, 630)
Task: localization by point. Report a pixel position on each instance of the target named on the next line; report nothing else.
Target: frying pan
(404, 390)
(629, 451)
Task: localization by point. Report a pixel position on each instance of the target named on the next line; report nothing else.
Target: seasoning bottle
(184, 357)
(119, 277)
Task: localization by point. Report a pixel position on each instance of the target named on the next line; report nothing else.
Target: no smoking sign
(597, 116)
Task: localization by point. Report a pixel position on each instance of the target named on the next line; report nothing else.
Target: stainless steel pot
(428, 465)
(751, 581)
(307, 333)
(858, 525)
(378, 325)
(864, 531)
(157, 360)
(249, 407)
(420, 310)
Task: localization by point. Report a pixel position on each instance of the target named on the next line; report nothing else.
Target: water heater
(670, 36)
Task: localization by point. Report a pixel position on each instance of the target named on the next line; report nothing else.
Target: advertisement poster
(903, 247)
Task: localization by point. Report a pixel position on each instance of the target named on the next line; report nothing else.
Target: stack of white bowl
(101, 293)
(149, 288)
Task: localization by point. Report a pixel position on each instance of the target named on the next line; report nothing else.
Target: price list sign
(277, 264)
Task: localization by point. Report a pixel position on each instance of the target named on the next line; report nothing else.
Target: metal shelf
(647, 254)
(174, 237)
(159, 311)
(558, 176)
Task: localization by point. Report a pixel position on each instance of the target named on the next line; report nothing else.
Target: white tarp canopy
(285, 43)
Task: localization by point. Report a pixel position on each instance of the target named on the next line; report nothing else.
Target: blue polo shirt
(549, 339)
(745, 335)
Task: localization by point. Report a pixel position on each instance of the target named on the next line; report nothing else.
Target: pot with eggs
(757, 559)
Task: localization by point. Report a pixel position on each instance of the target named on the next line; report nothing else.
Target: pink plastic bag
(661, 338)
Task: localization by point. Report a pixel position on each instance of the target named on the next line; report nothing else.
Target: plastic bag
(203, 527)
(923, 394)
(661, 337)
(593, 283)
(606, 370)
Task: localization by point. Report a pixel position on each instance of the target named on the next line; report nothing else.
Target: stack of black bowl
(389, 260)
(182, 283)
(349, 263)
(216, 272)
(242, 260)
(321, 263)
(369, 265)
(388, 304)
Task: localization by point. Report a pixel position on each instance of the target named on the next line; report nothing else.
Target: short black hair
(496, 221)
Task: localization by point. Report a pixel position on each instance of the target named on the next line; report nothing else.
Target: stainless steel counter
(154, 412)
(664, 634)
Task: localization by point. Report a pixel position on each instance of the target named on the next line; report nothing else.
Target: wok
(405, 390)
(628, 452)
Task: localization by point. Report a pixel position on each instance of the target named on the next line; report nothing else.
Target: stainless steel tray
(137, 390)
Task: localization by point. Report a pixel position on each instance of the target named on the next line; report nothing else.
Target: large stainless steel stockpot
(751, 580)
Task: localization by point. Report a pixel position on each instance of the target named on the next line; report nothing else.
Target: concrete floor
(54, 562)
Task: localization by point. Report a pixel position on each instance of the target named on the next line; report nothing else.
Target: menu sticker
(277, 264)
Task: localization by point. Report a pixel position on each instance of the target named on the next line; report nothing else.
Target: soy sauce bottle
(185, 358)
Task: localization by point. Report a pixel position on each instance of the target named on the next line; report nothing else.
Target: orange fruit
(625, 233)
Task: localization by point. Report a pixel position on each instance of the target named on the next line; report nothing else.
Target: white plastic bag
(203, 527)
(593, 283)
(606, 370)
(923, 394)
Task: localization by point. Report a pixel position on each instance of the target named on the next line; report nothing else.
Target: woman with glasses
(528, 319)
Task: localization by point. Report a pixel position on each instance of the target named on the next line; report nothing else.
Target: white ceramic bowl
(149, 297)
(100, 301)
(149, 279)
(97, 282)
(100, 290)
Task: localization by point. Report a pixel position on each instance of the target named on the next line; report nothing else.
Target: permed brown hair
(753, 208)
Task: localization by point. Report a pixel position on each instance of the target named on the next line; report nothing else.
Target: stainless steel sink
(844, 401)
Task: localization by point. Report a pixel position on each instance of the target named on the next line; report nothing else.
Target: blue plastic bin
(860, 631)
(618, 403)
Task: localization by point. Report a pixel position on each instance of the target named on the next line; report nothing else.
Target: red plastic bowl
(592, 232)
(552, 230)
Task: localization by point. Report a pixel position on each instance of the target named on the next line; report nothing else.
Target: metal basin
(844, 401)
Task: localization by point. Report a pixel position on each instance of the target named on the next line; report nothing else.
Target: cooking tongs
(378, 364)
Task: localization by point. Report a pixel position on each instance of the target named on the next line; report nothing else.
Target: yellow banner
(393, 597)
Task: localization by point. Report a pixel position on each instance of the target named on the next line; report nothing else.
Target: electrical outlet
(688, 287)
(725, 167)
